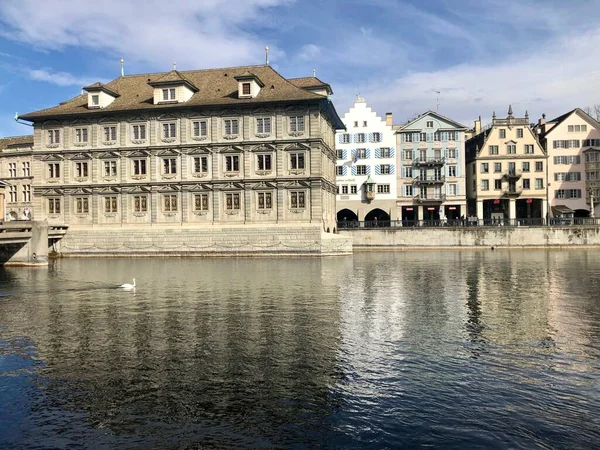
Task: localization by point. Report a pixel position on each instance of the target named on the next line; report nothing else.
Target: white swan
(128, 286)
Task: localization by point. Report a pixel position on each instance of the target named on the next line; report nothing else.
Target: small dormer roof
(97, 87)
(249, 76)
(173, 78)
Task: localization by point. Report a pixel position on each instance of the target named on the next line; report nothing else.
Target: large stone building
(432, 175)
(366, 170)
(205, 148)
(572, 142)
(16, 162)
(506, 171)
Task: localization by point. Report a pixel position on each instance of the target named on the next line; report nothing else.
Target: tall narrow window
(169, 166)
(231, 127)
(110, 204)
(54, 205)
(245, 88)
(297, 200)
(53, 137)
(263, 125)
(200, 202)
(81, 169)
(110, 168)
(26, 169)
(139, 132)
(297, 124)
(200, 128)
(26, 192)
(264, 200)
(82, 205)
(53, 170)
(263, 162)
(140, 203)
(169, 130)
(12, 169)
(12, 194)
(81, 135)
(232, 163)
(297, 161)
(110, 134)
(139, 167)
(200, 164)
(232, 201)
(170, 203)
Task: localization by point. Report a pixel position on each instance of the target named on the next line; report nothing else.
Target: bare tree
(593, 111)
(597, 111)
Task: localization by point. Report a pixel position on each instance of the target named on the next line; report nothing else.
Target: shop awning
(561, 209)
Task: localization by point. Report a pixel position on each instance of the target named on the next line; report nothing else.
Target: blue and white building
(431, 151)
(366, 174)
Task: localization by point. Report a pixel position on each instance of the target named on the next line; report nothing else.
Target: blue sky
(481, 55)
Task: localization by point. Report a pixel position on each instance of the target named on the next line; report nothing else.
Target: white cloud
(197, 34)
(58, 78)
(309, 52)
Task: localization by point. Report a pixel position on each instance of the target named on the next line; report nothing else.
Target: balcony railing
(429, 180)
(429, 161)
(429, 198)
(469, 222)
(512, 192)
(512, 174)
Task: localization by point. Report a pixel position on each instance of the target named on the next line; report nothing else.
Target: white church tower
(366, 168)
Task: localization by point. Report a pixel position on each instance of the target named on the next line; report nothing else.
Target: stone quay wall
(241, 240)
(571, 236)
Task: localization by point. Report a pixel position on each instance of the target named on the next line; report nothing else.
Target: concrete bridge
(24, 242)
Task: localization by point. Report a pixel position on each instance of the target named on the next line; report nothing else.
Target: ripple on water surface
(379, 350)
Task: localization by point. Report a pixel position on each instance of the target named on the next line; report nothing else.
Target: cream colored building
(572, 142)
(506, 171)
(16, 163)
(238, 145)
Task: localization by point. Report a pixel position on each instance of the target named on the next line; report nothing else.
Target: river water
(465, 349)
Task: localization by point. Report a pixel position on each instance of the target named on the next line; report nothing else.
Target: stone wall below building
(203, 241)
(475, 237)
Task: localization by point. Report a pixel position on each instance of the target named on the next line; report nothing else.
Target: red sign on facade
(529, 200)
(496, 202)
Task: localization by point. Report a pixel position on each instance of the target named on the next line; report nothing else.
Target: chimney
(478, 126)
(542, 121)
(388, 119)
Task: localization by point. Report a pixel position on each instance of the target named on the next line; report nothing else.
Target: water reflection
(451, 349)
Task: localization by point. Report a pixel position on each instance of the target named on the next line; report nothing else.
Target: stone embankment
(473, 237)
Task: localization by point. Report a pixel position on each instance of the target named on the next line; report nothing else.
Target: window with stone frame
(139, 132)
(81, 169)
(26, 169)
(169, 130)
(232, 201)
(297, 199)
(376, 137)
(539, 166)
(361, 170)
(296, 124)
(82, 205)
(200, 202)
(232, 163)
(385, 152)
(81, 135)
(263, 125)
(53, 137)
(140, 203)
(200, 164)
(199, 128)
(54, 170)
(451, 171)
(12, 169)
(54, 206)
(12, 194)
(245, 88)
(263, 162)
(231, 127)
(169, 166)
(297, 161)
(110, 204)
(110, 168)
(170, 203)
(110, 133)
(498, 184)
(26, 192)
(139, 167)
(385, 169)
(265, 200)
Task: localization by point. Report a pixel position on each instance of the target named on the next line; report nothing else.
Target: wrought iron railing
(468, 222)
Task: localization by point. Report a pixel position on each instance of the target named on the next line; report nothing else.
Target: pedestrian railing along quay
(464, 223)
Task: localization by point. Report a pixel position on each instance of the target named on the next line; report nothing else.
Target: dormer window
(95, 100)
(249, 85)
(172, 87)
(99, 96)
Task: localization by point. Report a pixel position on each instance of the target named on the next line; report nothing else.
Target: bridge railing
(470, 222)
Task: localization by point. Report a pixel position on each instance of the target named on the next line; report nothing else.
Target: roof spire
(315, 73)
(510, 111)
(122, 67)
(527, 114)
(174, 65)
(494, 115)
(266, 56)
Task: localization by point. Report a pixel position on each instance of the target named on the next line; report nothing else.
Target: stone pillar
(420, 212)
(544, 210)
(32, 253)
(480, 209)
(512, 209)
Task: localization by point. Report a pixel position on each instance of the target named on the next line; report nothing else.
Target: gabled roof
(96, 87)
(16, 141)
(435, 114)
(249, 76)
(216, 87)
(580, 112)
(311, 82)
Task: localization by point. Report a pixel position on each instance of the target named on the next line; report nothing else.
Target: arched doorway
(377, 218)
(347, 218)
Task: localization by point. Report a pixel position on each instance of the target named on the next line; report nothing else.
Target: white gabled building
(366, 167)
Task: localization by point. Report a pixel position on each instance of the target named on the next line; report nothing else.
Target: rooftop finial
(174, 65)
(266, 55)
(315, 73)
(494, 115)
(122, 67)
(527, 114)
(510, 111)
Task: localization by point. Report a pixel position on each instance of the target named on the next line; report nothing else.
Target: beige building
(16, 162)
(506, 171)
(238, 145)
(217, 153)
(572, 142)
